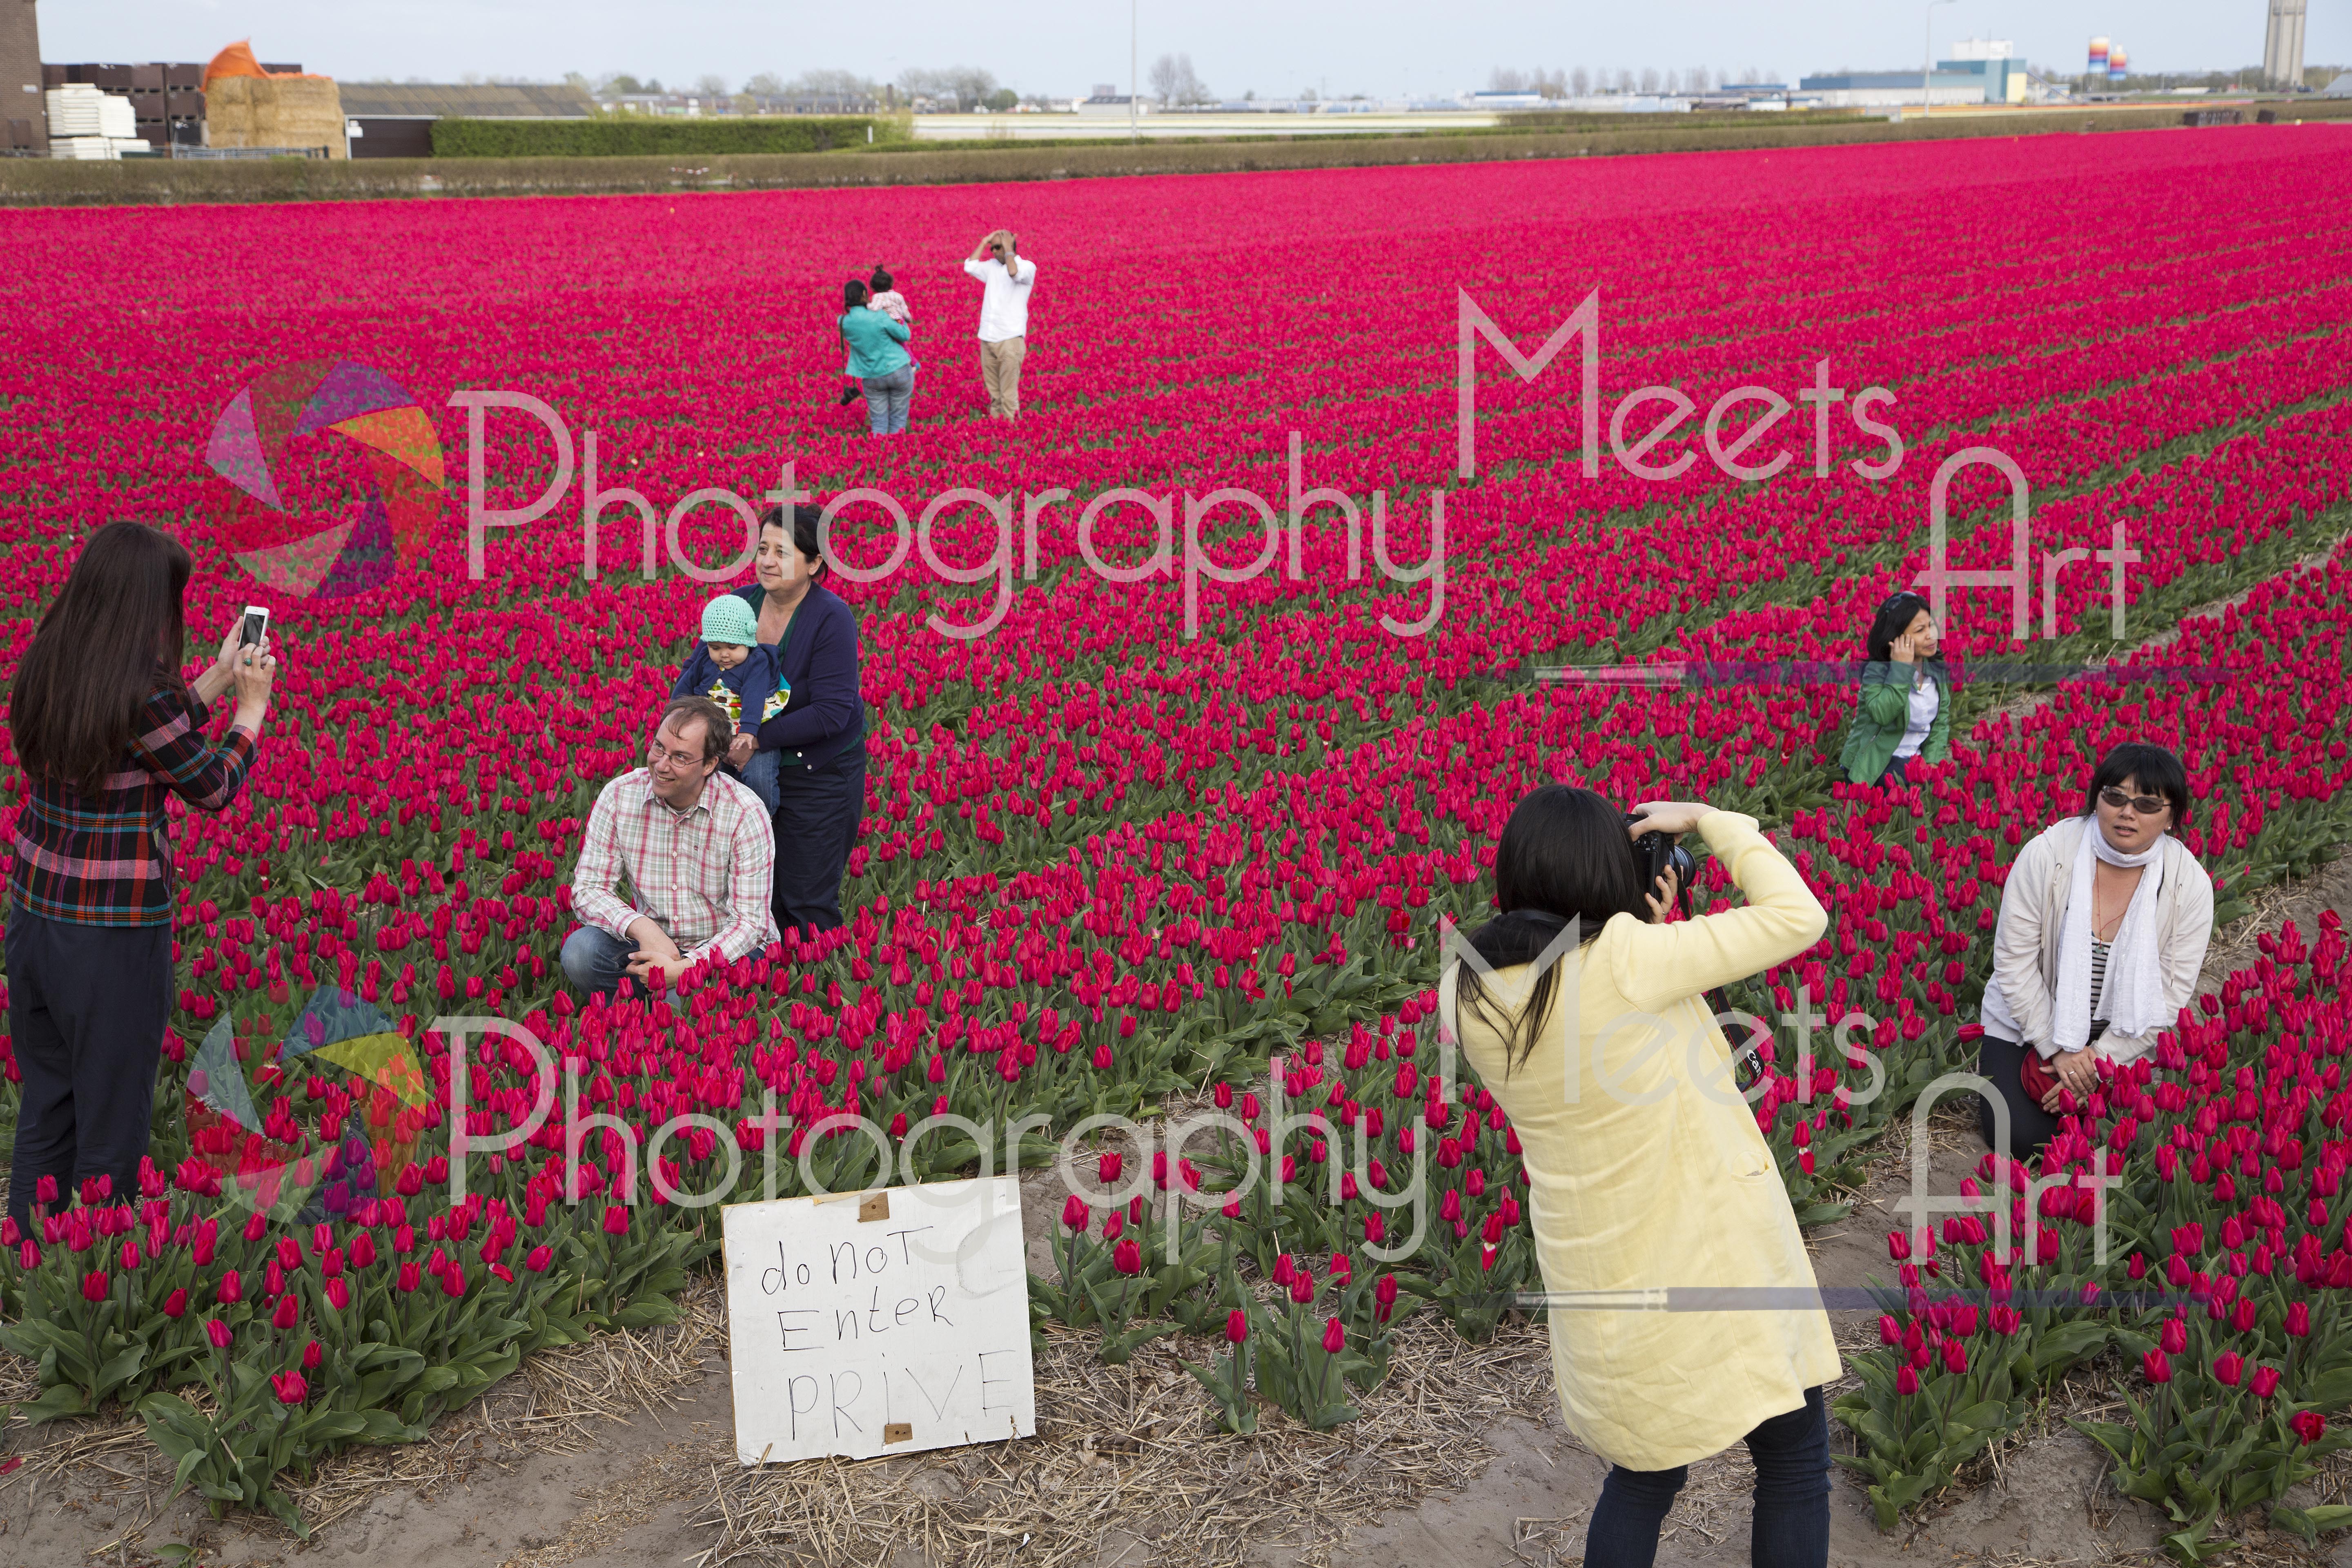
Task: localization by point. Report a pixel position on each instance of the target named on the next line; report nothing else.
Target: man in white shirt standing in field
(1004, 317)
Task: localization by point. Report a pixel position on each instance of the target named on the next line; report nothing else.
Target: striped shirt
(705, 876)
(2098, 974)
(106, 860)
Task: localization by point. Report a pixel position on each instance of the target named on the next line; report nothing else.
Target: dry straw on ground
(1132, 1451)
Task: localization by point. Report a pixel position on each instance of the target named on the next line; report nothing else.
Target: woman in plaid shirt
(107, 731)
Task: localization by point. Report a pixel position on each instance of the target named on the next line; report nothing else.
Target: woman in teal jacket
(885, 369)
(1905, 710)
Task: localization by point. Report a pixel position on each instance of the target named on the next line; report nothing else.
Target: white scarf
(2132, 997)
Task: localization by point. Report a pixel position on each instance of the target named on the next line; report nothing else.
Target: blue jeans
(1792, 1525)
(597, 963)
(888, 398)
(759, 776)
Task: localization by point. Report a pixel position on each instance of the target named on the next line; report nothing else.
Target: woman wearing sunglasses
(1905, 710)
(2104, 922)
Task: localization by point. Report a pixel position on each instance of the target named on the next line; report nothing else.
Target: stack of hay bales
(246, 106)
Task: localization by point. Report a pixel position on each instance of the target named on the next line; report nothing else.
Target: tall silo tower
(2283, 44)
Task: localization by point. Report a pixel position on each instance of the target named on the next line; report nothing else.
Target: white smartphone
(256, 629)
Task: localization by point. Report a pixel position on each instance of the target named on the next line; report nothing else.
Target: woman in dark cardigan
(821, 731)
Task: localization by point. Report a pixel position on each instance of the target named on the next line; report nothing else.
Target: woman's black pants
(86, 1007)
(818, 812)
(2030, 1126)
(1791, 1525)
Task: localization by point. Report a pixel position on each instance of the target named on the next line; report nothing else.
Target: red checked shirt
(704, 875)
(106, 860)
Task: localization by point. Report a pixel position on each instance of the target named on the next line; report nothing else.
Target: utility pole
(1133, 81)
(1928, 61)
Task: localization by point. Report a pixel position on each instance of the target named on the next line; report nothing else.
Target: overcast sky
(1381, 47)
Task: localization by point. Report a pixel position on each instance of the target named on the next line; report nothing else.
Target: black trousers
(1789, 1528)
(818, 812)
(2030, 1126)
(86, 1007)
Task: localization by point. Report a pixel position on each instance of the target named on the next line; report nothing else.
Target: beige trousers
(999, 372)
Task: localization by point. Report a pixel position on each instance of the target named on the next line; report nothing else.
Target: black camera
(1656, 853)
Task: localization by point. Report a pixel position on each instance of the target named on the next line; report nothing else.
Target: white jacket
(2018, 998)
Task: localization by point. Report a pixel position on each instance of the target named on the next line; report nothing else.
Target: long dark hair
(853, 295)
(116, 632)
(1564, 856)
(1893, 618)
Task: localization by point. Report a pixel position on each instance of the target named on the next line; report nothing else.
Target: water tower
(2118, 65)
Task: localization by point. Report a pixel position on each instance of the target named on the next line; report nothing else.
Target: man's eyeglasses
(2146, 805)
(677, 759)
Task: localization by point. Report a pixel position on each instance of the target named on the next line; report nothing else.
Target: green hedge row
(639, 136)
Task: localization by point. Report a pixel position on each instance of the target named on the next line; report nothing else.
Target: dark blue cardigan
(826, 714)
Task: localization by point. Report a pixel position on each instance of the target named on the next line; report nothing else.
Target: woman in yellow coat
(1646, 1169)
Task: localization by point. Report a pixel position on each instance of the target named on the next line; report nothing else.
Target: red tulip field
(1185, 842)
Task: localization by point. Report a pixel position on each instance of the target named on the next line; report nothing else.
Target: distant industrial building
(1994, 59)
(389, 121)
(1893, 90)
(1979, 71)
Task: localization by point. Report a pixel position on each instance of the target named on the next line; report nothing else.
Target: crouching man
(696, 849)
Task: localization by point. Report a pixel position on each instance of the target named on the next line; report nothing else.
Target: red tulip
(290, 1387)
(288, 1311)
(538, 1260)
(339, 1294)
(1384, 1295)
(1335, 1338)
(411, 1277)
(1237, 1326)
(175, 1305)
(2309, 1425)
(94, 1286)
(2228, 1367)
(2173, 1337)
(617, 1219)
(311, 1355)
(2298, 1319)
(218, 1332)
(1906, 1382)
(2158, 1366)
(2265, 1381)
(1075, 1213)
(1127, 1258)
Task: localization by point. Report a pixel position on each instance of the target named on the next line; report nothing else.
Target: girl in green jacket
(1905, 710)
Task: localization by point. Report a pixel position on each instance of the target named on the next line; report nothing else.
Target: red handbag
(2033, 1076)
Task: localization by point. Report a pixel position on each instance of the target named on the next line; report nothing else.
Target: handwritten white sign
(879, 1323)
